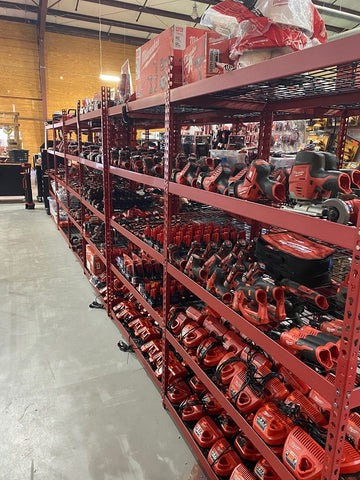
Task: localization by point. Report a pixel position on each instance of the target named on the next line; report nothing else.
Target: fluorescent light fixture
(110, 78)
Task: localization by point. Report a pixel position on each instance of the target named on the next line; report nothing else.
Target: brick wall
(72, 73)
(19, 80)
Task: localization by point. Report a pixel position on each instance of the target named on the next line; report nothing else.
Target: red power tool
(254, 184)
(310, 181)
(313, 189)
(310, 347)
(222, 458)
(240, 472)
(272, 426)
(303, 456)
(206, 432)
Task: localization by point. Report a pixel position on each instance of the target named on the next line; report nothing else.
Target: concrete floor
(72, 405)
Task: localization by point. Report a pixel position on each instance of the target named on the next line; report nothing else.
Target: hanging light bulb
(109, 78)
(102, 76)
(194, 13)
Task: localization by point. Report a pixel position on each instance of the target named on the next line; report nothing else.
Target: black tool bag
(290, 255)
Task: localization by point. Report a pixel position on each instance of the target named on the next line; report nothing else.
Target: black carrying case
(290, 255)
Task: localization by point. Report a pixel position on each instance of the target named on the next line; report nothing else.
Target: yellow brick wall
(72, 73)
(19, 80)
(73, 67)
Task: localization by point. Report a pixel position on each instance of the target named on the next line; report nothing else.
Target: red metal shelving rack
(322, 81)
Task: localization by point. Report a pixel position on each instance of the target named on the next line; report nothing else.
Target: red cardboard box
(93, 262)
(152, 59)
(200, 58)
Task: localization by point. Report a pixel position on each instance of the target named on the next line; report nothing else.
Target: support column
(341, 138)
(107, 192)
(265, 134)
(41, 49)
(345, 371)
(168, 156)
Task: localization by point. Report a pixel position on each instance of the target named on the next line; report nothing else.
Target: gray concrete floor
(72, 405)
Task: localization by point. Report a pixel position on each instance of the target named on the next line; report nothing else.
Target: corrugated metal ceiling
(136, 21)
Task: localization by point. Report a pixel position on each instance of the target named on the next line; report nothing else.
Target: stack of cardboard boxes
(195, 51)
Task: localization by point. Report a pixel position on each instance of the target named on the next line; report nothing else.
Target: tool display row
(284, 411)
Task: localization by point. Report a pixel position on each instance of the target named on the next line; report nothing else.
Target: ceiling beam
(88, 33)
(147, 10)
(41, 24)
(116, 23)
(105, 21)
(208, 2)
(18, 19)
(19, 6)
(332, 28)
(82, 18)
(320, 3)
(78, 32)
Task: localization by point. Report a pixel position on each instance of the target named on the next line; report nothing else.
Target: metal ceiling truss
(141, 9)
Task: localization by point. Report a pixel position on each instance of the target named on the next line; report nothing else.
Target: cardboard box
(93, 262)
(200, 58)
(152, 59)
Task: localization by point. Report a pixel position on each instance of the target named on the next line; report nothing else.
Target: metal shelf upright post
(107, 193)
(168, 155)
(341, 139)
(81, 179)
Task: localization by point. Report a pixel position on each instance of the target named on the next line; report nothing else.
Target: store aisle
(72, 405)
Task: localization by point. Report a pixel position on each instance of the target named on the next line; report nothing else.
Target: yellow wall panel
(72, 73)
(73, 67)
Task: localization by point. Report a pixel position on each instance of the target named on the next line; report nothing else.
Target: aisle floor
(72, 405)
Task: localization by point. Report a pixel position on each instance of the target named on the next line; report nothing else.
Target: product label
(213, 456)
(179, 40)
(261, 422)
(291, 459)
(214, 57)
(259, 471)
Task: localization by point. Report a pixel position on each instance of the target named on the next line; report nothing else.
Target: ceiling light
(110, 78)
(194, 13)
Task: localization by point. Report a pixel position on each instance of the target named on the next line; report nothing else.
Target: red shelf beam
(341, 235)
(95, 248)
(342, 51)
(138, 353)
(55, 152)
(97, 291)
(85, 161)
(94, 210)
(156, 182)
(51, 126)
(138, 296)
(191, 441)
(64, 235)
(83, 118)
(72, 220)
(279, 353)
(140, 104)
(231, 410)
(137, 241)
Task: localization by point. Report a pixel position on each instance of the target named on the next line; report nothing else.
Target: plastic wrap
(125, 87)
(296, 13)
(231, 19)
(253, 31)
